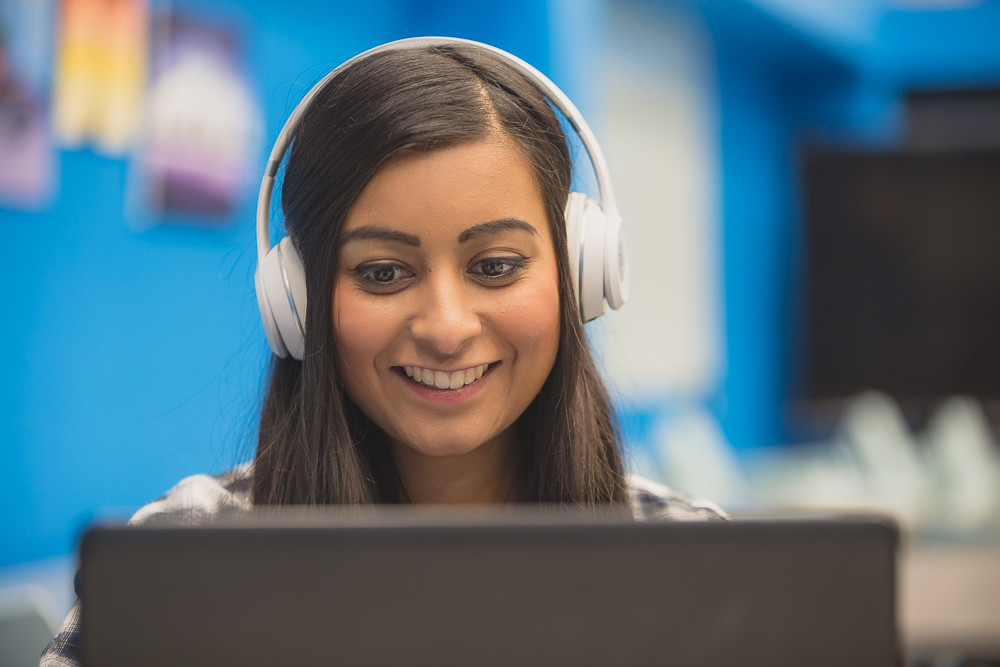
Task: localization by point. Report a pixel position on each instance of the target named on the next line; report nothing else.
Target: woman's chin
(438, 448)
(437, 440)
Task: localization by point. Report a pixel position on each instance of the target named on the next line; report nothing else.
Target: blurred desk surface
(949, 598)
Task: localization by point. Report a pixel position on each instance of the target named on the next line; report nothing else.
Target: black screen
(902, 288)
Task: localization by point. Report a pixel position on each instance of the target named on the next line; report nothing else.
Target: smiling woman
(425, 191)
(444, 358)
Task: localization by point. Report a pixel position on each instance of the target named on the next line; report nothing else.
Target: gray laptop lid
(535, 591)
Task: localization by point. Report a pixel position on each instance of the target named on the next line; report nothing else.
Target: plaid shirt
(200, 497)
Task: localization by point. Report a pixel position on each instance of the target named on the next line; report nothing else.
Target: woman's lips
(439, 389)
(443, 379)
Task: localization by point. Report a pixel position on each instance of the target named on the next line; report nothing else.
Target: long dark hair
(315, 445)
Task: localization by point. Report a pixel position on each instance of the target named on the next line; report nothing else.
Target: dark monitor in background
(950, 120)
(902, 258)
(902, 274)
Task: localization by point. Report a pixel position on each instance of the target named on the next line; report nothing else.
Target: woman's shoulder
(199, 498)
(652, 501)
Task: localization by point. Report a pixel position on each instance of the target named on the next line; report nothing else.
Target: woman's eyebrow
(373, 233)
(494, 226)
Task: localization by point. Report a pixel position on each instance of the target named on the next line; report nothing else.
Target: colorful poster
(100, 72)
(201, 125)
(26, 153)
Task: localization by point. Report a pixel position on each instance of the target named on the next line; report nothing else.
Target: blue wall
(135, 359)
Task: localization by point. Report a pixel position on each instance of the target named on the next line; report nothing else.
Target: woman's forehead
(441, 194)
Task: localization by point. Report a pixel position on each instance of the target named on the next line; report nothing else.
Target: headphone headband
(556, 96)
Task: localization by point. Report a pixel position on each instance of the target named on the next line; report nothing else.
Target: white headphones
(598, 253)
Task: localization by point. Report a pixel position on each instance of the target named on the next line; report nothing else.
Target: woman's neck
(483, 476)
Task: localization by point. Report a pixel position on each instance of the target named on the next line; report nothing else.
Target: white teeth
(442, 380)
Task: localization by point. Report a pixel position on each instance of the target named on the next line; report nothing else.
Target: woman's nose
(446, 318)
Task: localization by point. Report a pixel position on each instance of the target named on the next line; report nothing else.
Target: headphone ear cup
(585, 221)
(281, 295)
(266, 317)
(616, 264)
(574, 239)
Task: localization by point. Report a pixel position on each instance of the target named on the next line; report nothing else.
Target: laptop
(519, 588)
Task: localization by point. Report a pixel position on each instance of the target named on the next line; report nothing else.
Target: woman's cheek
(359, 328)
(531, 322)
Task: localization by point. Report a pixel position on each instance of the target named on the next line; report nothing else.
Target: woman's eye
(497, 268)
(381, 276)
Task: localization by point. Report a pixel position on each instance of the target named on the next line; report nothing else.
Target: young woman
(443, 359)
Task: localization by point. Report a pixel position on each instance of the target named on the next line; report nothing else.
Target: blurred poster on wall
(201, 126)
(100, 72)
(26, 153)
